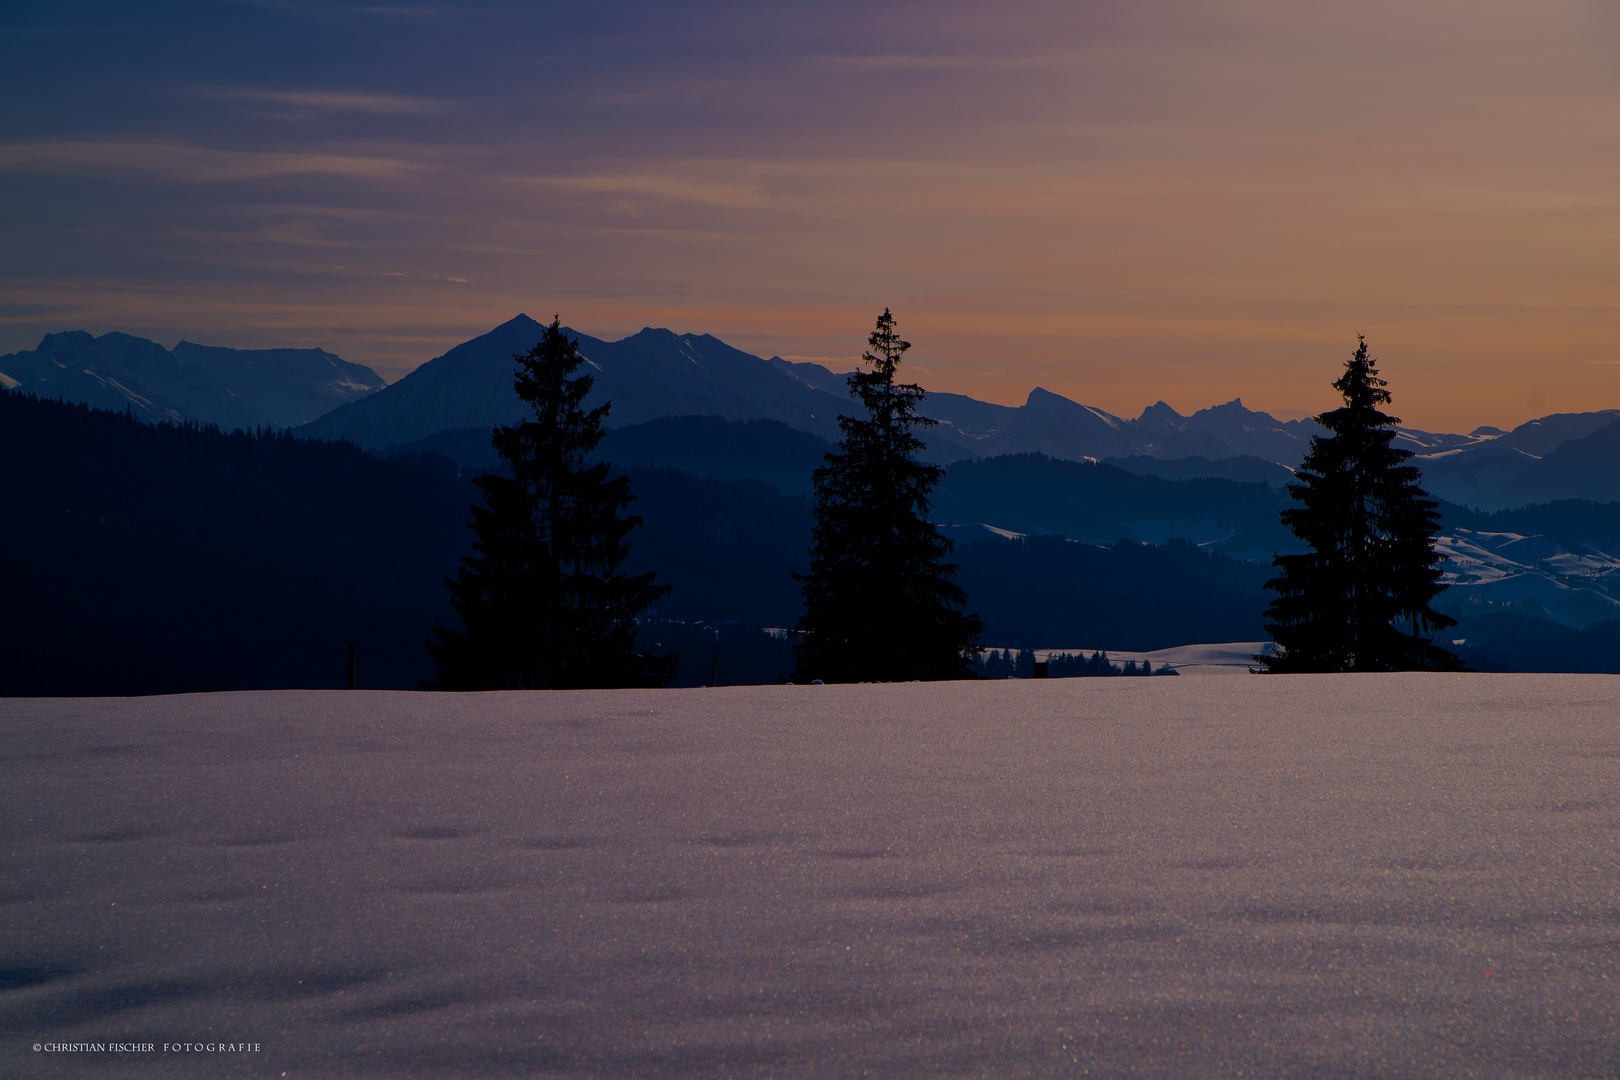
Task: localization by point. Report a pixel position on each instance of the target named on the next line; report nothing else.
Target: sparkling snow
(1374, 875)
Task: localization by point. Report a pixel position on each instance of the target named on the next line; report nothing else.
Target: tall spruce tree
(880, 605)
(544, 601)
(1359, 599)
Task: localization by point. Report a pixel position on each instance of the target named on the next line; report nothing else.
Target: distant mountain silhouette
(765, 450)
(656, 374)
(233, 388)
(1493, 470)
(652, 374)
(1582, 468)
(449, 404)
(1246, 468)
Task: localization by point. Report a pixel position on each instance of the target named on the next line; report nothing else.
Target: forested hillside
(156, 559)
(149, 559)
(145, 559)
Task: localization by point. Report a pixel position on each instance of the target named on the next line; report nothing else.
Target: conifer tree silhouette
(543, 600)
(1359, 599)
(880, 606)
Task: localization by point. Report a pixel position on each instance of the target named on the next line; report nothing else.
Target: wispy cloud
(349, 101)
(1499, 200)
(957, 62)
(417, 13)
(693, 190)
(192, 164)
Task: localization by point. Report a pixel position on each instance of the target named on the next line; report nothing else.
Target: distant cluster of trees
(1005, 664)
(1079, 666)
(1020, 664)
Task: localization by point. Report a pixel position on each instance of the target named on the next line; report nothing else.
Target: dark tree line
(158, 559)
(149, 559)
(1020, 664)
(1048, 591)
(167, 559)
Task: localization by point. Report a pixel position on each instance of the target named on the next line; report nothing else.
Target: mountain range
(259, 557)
(449, 404)
(230, 388)
(657, 373)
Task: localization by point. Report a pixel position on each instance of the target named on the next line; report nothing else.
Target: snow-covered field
(1332, 876)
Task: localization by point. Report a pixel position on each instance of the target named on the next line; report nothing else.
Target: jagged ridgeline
(449, 404)
(145, 559)
(233, 388)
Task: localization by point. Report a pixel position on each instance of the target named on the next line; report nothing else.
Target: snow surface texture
(1400, 875)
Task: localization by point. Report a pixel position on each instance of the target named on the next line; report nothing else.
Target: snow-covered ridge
(1534, 575)
(657, 373)
(233, 388)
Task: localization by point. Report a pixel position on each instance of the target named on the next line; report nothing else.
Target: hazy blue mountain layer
(649, 375)
(1245, 468)
(233, 388)
(766, 450)
(1097, 503)
(1494, 469)
(657, 373)
(166, 558)
(450, 403)
(1551, 562)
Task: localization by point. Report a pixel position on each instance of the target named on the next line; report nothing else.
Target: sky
(1121, 201)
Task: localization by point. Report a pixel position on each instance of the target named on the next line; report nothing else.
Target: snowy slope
(1374, 875)
(233, 388)
(656, 374)
(1533, 575)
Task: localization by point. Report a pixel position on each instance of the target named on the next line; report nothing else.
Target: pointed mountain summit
(649, 375)
(1053, 425)
(450, 403)
(1240, 431)
(469, 386)
(656, 373)
(1160, 421)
